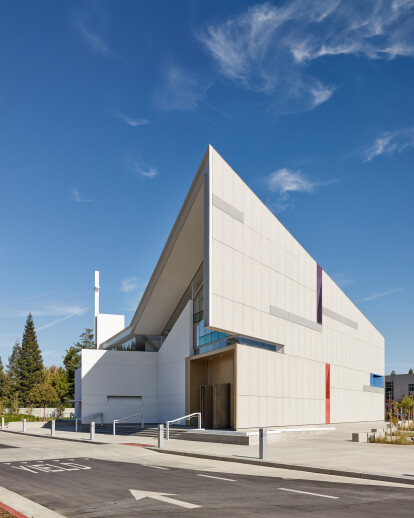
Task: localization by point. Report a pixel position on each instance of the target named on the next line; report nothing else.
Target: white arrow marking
(307, 493)
(138, 495)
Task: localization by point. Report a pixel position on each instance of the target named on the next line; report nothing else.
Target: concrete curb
(12, 511)
(86, 441)
(294, 467)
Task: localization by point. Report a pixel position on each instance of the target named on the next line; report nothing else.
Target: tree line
(26, 382)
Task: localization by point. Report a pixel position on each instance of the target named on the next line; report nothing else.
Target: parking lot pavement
(86, 487)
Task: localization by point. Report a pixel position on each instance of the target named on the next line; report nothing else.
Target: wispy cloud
(58, 321)
(178, 90)
(145, 171)
(94, 40)
(132, 122)
(390, 143)
(89, 21)
(379, 295)
(267, 48)
(135, 288)
(47, 310)
(284, 181)
(76, 196)
(129, 284)
(343, 279)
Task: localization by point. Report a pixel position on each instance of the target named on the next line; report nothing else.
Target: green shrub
(404, 438)
(9, 418)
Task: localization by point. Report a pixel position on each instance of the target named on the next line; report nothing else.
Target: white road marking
(159, 467)
(163, 497)
(307, 493)
(52, 468)
(217, 478)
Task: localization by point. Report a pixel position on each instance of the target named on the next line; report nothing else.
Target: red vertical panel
(327, 393)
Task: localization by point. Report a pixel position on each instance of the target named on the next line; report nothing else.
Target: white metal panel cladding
(281, 313)
(331, 314)
(226, 207)
(263, 284)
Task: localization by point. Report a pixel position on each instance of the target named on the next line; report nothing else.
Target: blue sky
(106, 110)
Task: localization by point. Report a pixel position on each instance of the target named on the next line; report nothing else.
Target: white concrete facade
(171, 367)
(123, 383)
(107, 326)
(263, 285)
(119, 384)
(259, 283)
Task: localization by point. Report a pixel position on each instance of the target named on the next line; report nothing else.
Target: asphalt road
(96, 489)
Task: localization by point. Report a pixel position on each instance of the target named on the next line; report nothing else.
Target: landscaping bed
(11, 418)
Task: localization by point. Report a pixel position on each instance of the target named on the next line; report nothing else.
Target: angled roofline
(169, 245)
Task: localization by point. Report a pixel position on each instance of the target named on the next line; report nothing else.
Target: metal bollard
(92, 431)
(2, 423)
(160, 435)
(53, 428)
(262, 443)
(114, 428)
(24, 425)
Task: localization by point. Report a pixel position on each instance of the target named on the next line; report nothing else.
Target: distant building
(396, 385)
(237, 322)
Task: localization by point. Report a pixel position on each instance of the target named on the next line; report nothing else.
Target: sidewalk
(325, 451)
(330, 450)
(37, 429)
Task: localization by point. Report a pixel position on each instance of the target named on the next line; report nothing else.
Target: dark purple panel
(319, 294)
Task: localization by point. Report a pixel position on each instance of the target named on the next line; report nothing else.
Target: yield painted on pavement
(49, 467)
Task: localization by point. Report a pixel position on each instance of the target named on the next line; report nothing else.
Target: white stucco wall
(108, 326)
(262, 283)
(171, 367)
(119, 383)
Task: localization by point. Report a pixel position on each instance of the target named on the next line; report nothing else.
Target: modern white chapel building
(237, 322)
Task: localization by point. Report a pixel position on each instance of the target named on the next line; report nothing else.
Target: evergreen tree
(4, 385)
(410, 371)
(30, 362)
(12, 367)
(86, 340)
(73, 356)
(2, 375)
(71, 362)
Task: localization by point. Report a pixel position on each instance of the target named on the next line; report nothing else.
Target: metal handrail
(125, 419)
(82, 419)
(167, 424)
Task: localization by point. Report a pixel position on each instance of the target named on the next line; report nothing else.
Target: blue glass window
(376, 380)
